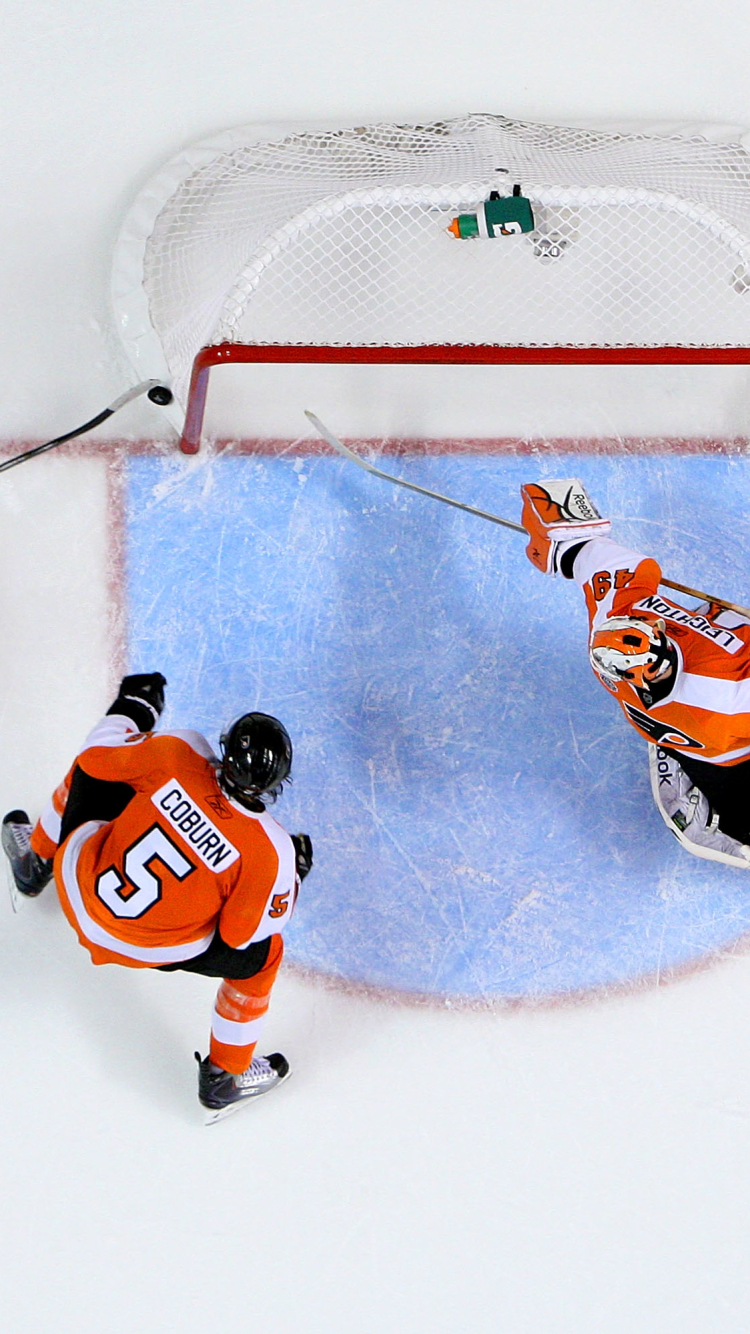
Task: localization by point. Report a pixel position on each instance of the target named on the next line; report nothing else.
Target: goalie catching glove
(557, 516)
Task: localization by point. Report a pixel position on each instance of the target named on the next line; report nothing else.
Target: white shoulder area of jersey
(278, 837)
(269, 822)
(601, 553)
(194, 740)
(114, 729)
(716, 694)
(282, 841)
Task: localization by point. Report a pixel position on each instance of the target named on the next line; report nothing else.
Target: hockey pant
(726, 788)
(248, 975)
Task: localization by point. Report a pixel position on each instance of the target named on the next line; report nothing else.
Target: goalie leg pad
(687, 814)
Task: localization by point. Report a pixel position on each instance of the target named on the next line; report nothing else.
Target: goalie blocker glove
(557, 516)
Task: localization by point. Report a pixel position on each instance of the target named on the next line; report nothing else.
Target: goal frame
(689, 172)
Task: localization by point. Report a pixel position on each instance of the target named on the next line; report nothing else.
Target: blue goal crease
(481, 813)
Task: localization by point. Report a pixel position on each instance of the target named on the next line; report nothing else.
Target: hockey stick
(411, 486)
(157, 392)
(484, 514)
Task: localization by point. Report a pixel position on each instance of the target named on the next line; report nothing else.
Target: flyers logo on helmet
(663, 733)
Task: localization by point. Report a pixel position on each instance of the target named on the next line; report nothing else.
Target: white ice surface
(551, 1171)
(576, 1171)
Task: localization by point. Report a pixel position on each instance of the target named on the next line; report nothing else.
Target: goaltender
(682, 678)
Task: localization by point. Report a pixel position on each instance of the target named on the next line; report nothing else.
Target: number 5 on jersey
(141, 888)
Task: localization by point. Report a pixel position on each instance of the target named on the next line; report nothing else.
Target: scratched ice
(480, 810)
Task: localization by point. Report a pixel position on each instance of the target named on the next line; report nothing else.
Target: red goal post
(304, 244)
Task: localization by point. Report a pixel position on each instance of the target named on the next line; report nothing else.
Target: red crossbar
(460, 354)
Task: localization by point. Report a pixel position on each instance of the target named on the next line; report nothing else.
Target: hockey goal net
(333, 246)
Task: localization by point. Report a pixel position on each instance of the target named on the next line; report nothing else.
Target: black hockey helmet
(256, 758)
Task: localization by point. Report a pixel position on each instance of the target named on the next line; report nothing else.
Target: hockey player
(682, 678)
(165, 857)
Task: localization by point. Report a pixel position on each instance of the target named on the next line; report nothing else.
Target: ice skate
(686, 812)
(27, 873)
(221, 1093)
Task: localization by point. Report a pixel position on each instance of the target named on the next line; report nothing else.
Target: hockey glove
(303, 851)
(141, 698)
(557, 516)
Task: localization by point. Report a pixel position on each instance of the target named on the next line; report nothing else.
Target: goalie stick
(399, 481)
(350, 454)
(157, 392)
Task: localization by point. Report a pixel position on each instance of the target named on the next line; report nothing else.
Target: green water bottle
(500, 215)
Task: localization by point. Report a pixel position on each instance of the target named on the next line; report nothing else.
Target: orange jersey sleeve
(613, 579)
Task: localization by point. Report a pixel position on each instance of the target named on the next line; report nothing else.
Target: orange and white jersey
(707, 711)
(152, 886)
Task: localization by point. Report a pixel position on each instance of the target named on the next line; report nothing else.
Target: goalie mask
(256, 758)
(628, 648)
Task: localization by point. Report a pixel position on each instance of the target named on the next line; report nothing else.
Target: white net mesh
(340, 237)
